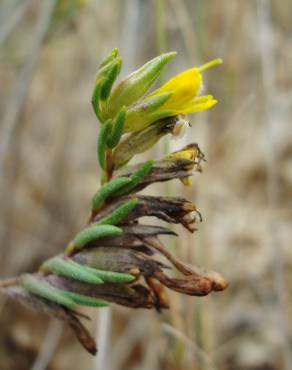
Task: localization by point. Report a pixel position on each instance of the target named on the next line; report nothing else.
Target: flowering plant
(114, 259)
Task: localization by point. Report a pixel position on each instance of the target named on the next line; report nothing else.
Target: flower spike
(115, 258)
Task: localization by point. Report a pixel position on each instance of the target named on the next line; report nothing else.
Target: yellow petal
(196, 105)
(184, 87)
(190, 152)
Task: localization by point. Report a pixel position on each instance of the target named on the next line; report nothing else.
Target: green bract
(140, 141)
(134, 86)
(143, 113)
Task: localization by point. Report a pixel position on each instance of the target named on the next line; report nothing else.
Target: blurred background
(49, 52)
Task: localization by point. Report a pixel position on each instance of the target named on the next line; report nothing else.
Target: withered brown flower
(134, 252)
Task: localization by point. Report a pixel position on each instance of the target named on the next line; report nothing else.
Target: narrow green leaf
(111, 56)
(93, 232)
(95, 100)
(108, 276)
(102, 143)
(64, 268)
(84, 300)
(43, 289)
(118, 214)
(104, 80)
(115, 277)
(142, 171)
(102, 72)
(107, 190)
(118, 128)
(110, 78)
(137, 176)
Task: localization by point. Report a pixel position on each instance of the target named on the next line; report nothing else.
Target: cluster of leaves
(113, 258)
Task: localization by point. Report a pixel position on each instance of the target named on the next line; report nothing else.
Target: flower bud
(134, 86)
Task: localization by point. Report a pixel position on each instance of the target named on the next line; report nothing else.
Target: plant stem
(109, 165)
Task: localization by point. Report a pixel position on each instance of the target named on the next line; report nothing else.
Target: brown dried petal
(160, 172)
(146, 230)
(119, 260)
(82, 334)
(131, 237)
(161, 299)
(218, 283)
(169, 209)
(191, 285)
(56, 311)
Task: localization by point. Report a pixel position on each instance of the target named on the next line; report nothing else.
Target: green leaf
(102, 143)
(84, 300)
(110, 78)
(93, 232)
(43, 289)
(107, 190)
(64, 268)
(118, 128)
(137, 176)
(95, 100)
(110, 57)
(107, 276)
(134, 86)
(104, 79)
(102, 72)
(118, 214)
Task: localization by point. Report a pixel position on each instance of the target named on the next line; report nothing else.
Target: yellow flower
(185, 89)
(179, 95)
